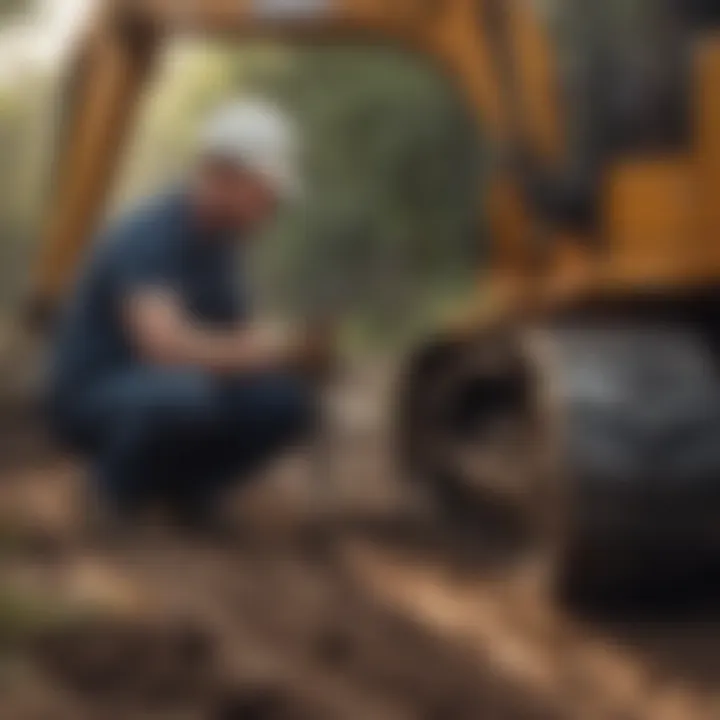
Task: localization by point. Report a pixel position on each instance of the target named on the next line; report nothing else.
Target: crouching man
(160, 378)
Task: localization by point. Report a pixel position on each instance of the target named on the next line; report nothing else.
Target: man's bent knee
(171, 402)
(280, 406)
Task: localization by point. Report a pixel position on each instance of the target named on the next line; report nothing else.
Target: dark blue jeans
(182, 436)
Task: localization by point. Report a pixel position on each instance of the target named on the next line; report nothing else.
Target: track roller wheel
(466, 429)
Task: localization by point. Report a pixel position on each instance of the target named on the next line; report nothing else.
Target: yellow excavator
(582, 390)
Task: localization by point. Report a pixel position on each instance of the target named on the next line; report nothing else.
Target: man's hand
(310, 350)
(272, 346)
(315, 353)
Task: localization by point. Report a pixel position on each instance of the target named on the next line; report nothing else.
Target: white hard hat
(257, 135)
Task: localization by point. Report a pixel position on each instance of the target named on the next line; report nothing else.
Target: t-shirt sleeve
(144, 261)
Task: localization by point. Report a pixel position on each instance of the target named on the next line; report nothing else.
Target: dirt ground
(335, 600)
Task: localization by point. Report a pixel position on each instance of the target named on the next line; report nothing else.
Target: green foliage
(389, 221)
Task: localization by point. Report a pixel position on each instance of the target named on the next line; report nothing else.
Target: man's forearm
(162, 333)
(230, 351)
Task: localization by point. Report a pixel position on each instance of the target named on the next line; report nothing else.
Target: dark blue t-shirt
(158, 246)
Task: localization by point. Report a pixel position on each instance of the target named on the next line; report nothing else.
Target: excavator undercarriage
(599, 429)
